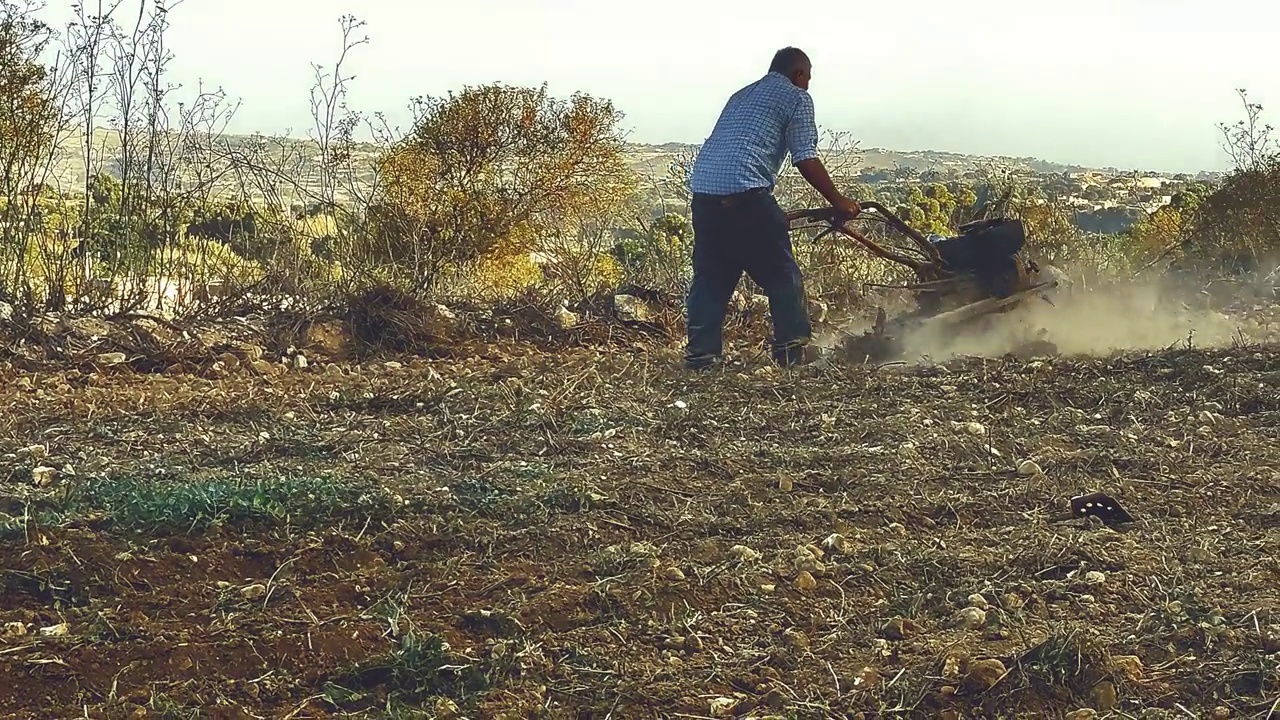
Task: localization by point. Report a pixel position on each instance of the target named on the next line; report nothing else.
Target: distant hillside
(293, 163)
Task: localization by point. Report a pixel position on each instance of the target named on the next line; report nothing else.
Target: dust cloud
(1099, 321)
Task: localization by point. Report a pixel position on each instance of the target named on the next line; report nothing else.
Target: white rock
(1029, 468)
(299, 362)
(971, 618)
(112, 358)
(43, 476)
(744, 553)
(59, 630)
(1094, 577)
(835, 542)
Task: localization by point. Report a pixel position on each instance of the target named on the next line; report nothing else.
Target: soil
(512, 532)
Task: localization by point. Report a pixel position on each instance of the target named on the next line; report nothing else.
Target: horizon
(1126, 84)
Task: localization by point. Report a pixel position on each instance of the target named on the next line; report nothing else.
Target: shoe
(798, 355)
(701, 363)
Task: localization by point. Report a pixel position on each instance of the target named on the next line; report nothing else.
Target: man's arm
(802, 141)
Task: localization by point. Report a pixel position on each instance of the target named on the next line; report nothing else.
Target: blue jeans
(732, 235)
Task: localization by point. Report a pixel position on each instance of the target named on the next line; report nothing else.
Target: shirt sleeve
(802, 131)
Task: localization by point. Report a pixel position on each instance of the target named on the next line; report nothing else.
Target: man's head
(794, 64)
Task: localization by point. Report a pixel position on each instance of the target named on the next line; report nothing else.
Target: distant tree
(485, 172)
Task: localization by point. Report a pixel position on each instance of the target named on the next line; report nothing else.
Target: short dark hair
(788, 60)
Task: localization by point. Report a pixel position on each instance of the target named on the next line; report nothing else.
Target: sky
(1123, 83)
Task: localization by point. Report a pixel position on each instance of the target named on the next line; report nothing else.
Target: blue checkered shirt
(759, 125)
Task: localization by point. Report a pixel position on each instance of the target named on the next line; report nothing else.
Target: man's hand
(850, 208)
(814, 172)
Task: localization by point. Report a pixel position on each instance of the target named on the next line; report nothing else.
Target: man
(737, 224)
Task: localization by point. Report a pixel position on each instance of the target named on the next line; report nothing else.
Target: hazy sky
(1129, 83)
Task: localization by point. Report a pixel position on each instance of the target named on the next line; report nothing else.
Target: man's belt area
(734, 199)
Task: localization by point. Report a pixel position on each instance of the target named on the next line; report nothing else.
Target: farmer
(737, 224)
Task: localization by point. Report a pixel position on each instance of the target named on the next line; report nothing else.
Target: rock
(785, 484)
(796, 639)
(1129, 665)
(978, 601)
(1082, 714)
(1094, 577)
(693, 644)
(1029, 468)
(973, 428)
(14, 629)
(59, 630)
(805, 581)
(984, 674)
(971, 618)
(673, 574)
(952, 667)
(899, 628)
(723, 706)
(565, 319)
(254, 591)
(1220, 713)
(835, 542)
(806, 560)
(262, 367)
(111, 358)
(1104, 696)
(630, 308)
(300, 362)
(33, 452)
(744, 553)
(43, 476)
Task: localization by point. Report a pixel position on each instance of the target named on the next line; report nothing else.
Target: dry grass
(590, 533)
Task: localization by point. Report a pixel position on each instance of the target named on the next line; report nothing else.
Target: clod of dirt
(971, 618)
(1129, 665)
(33, 452)
(805, 581)
(796, 639)
(952, 667)
(693, 644)
(59, 630)
(253, 592)
(43, 476)
(899, 628)
(743, 553)
(1029, 468)
(723, 706)
(673, 573)
(805, 560)
(1220, 713)
(973, 428)
(984, 674)
(1095, 577)
(1104, 695)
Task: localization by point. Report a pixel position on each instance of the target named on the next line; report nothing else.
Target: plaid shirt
(759, 125)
